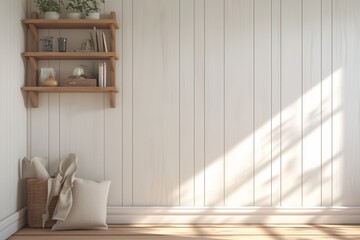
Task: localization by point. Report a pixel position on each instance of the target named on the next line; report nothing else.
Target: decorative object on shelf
(50, 82)
(80, 81)
(91, 8)
(76, 7)
(78, 71)
(87, 45)
(47, 44)
(62, 44)
(45, 72)
(50, 8)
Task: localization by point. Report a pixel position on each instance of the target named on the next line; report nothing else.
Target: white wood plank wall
(222, 103)
(13, 113)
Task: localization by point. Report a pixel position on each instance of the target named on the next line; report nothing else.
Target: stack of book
(99, 44)
(98, 40)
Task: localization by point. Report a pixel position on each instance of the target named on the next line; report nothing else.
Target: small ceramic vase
(50, 82)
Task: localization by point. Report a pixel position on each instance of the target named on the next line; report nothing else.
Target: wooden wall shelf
(34, 55)
(71, 23)
(70, 89)
(34, 92)
(71, 55)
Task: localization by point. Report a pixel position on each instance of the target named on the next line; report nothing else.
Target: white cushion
(88, 210)
(35, 168)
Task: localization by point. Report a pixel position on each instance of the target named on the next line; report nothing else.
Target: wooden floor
(179, 232)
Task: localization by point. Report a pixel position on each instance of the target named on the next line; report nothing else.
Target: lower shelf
(34, 91)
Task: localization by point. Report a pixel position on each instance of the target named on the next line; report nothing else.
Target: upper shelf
(71, 89)
(71, 23)
(71, 55)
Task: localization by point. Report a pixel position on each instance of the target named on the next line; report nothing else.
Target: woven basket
(36, 200)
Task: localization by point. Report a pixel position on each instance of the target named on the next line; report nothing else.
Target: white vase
(51, 15)
(93, 15)
(74, 15)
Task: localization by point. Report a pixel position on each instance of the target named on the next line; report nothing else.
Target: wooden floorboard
(178, 232)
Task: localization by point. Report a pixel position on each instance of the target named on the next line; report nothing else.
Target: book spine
(104, 78)
(104, 42)
(101, 74)
(99, 41)
(96, 44)
(92, 40)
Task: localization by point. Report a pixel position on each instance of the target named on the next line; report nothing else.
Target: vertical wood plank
(262, 102)
(82, 132)
(127, 87)
(311, 115)
(214, 103)
(16, 123)
(291, 103)
(24, 110)
(10, 117)
(239, 104)
(199, 134)
(39, 128)
(186, 102)
(6, 129)
(3, 122)
(114, 122)
(156, 102)
(27, 99)
(346, 90)
(326, 103)
(276, 105)
(338, 128)
(54, 132)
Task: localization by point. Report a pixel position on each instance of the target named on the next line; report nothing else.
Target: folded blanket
(61, 185)
(67, 170)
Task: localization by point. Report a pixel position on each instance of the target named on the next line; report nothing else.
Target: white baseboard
(12, 224)
(210, 215)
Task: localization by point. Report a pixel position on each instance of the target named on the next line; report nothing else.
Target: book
(99, 41)
(104, 76)
(96, 46)
(101, 74)
(92, 40)
(104, 42)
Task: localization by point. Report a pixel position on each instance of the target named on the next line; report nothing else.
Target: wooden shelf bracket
(34, 98)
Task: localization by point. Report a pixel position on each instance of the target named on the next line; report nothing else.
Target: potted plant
(76, 7)
(51, 8)
(91, 8)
